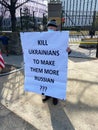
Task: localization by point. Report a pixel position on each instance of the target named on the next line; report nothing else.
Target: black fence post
(21, 18)
(97, 49)
(34, 20)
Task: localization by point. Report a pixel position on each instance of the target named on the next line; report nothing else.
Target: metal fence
(80, 13)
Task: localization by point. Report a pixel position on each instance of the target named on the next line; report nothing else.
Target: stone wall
(14, 45)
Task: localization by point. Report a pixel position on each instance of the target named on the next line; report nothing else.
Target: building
(37, 6)
(36, 9)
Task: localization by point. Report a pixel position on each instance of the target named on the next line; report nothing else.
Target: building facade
(37, 8)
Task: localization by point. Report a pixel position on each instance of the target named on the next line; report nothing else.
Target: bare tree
(12, 5)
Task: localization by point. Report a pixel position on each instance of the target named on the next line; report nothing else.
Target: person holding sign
(52, 26)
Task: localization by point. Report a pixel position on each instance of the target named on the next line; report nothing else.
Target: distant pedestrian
(5, 40)
(92, 33)
(2, 64)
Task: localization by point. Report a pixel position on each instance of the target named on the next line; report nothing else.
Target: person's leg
(55, 101)
(46, 98)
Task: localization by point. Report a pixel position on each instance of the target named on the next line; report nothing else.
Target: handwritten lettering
(43, 88)
(53, 72)
(36, 61)
(37, 70)
(44, 79)
(44, 52)
(48, 62)
(42, 42)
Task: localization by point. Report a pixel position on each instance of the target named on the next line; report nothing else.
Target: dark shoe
(46, 98)
(55, 101)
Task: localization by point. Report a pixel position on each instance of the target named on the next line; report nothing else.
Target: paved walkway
(8, 119)
(25, 111)
(11, 121)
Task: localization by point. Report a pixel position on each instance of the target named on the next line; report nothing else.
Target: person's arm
(68, 50)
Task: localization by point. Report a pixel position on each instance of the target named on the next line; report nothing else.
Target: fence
(80, 14)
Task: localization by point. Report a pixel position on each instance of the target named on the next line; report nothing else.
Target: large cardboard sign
(46, 62)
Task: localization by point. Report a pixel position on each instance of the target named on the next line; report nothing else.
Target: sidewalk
(8, 119)
(16, 60)
(78, 112)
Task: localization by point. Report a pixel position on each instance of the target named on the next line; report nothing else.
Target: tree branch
(4, 3)
(15, 1)
(22, 4)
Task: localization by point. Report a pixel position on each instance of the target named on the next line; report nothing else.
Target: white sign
(46, 62)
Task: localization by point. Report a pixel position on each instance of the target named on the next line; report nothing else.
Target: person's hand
(68, 50)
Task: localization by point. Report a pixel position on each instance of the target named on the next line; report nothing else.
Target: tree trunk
(13, 18)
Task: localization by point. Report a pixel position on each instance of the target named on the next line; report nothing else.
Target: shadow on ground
(59, 118)
(10, 121)
(10, 92)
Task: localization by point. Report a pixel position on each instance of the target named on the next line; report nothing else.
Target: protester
(52, 26)
(2, 64)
